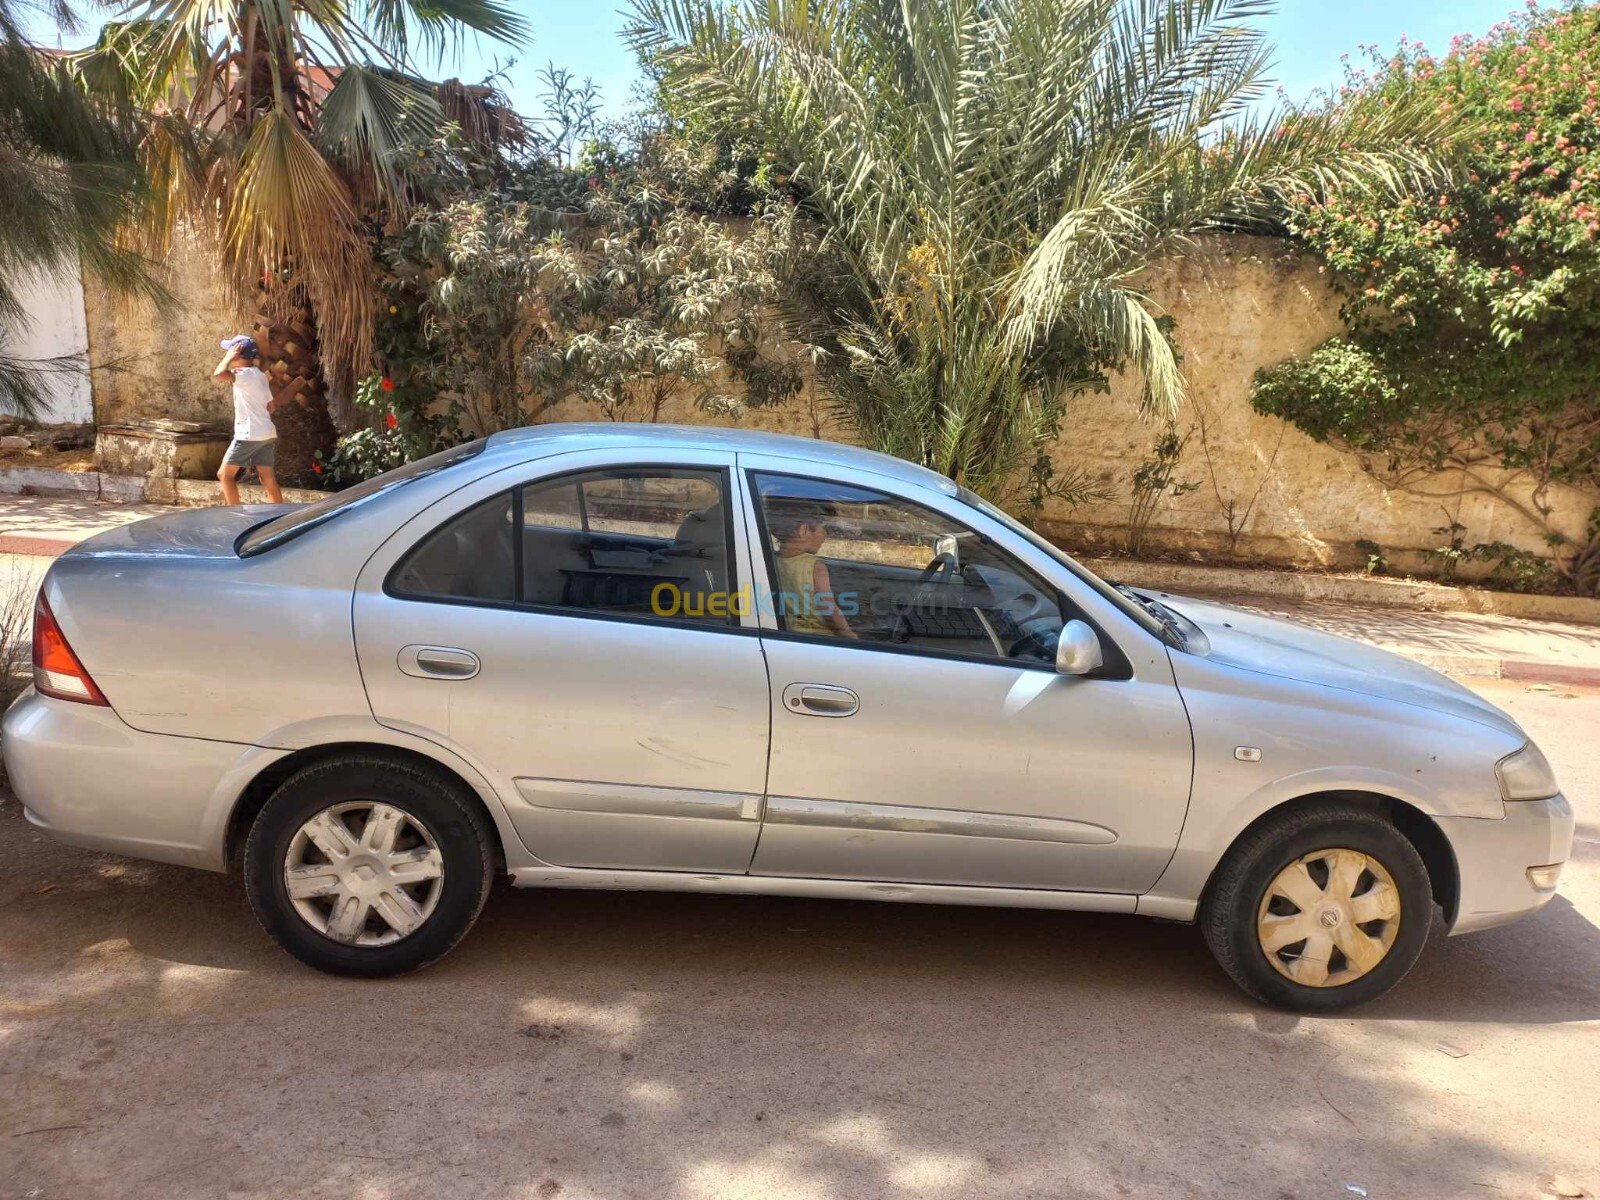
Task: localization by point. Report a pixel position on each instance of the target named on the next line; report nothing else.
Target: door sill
(822, 889)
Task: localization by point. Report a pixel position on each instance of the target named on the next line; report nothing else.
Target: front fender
(1312, 740)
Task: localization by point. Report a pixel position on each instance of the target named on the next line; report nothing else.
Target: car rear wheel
(365, 866)
(1324, 907)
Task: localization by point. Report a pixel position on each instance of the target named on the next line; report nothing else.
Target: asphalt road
(153, 1043)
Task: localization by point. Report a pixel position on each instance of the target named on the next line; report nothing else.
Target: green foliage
(1339, 391)
(402, 430)
(500, 305)
(1473, 308)
(992, 179)
(1374, 562)
(1154, 481)
(287, 128)
(1454, 551)
(1517, 570)
(68, 181)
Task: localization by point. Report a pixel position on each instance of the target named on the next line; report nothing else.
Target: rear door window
(650, 542)
(645, 541)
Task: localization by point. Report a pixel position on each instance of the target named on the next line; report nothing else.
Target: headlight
(1526, 775)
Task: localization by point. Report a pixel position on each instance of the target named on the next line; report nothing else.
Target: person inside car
(806, 597)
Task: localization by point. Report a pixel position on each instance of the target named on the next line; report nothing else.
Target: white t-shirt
(251, 395)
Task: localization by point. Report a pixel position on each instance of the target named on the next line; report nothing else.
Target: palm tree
(68, 181)
(289, 128)
(993, 176)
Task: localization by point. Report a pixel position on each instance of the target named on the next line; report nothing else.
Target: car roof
(554, 438)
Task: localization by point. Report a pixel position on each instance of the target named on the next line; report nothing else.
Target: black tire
(457, 824)
(1228, 914)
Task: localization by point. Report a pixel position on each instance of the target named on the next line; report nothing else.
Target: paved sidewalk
(1467, 644)
(34, 529)
(46, 526)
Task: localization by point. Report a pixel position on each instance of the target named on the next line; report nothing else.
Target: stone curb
(133, 489)
(34, 546)
(1412, 595)
(1486, 666)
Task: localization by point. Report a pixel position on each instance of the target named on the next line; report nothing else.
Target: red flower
(387, 384)
(317, 467)
(391, 420)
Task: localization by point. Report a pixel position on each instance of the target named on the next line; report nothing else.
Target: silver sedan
(650, 658)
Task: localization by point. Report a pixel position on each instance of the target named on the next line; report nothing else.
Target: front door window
(854, 563)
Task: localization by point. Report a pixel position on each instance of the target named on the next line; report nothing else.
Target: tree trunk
(293, 367)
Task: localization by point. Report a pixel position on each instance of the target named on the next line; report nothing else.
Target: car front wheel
(365, 866)
(1321, 908)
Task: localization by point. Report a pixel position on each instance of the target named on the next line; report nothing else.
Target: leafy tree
(1473, 309)
(992, 179)
(68, 181)
(288, 126)
(501, 307)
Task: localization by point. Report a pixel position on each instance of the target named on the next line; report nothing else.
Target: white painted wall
(55, 326)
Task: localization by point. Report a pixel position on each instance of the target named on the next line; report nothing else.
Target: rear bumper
(91, 781)
(1493, 858)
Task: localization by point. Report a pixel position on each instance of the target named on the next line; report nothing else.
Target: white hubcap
(364, 873)
(1328, 918)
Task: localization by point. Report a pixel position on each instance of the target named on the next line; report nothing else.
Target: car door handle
(439, 662)
(821, 700)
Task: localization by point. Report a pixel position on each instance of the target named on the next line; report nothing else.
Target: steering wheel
(944, 569)
(1036, 645)
(944, 565)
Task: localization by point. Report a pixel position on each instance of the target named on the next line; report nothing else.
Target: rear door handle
(439, 662)
(821, 700)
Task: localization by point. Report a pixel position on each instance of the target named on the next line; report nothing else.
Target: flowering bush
(1474, 311)
(404, 430)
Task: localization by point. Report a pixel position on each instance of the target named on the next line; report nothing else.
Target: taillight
(56, 669)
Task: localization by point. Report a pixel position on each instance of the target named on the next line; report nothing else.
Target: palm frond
(993, 177)
(289, 217)
(69, 184)
(364, 120)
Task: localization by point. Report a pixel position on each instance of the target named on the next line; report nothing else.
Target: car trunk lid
(183, 533)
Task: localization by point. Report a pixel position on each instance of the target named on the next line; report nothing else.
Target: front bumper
(92, 781)
(1493, 858)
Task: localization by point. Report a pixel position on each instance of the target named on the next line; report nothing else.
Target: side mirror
(1078, 650)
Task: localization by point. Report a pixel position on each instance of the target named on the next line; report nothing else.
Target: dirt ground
(76, 459)
(153, 1043)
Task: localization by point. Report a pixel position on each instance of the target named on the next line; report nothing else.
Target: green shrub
(1473, 310)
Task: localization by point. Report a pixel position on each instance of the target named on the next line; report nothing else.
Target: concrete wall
(151, 364)
(55, 327)
(1240, 304)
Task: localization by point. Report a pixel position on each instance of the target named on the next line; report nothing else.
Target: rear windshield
(291, 525)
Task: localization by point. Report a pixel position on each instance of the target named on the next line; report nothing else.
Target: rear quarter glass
(285, 528)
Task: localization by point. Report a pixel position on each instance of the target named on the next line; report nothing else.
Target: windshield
(292, 525)
(1141, 609)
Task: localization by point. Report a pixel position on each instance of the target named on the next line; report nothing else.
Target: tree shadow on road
(665, 1046)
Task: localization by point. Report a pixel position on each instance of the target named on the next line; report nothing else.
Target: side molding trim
(822, 889)
(580, 795)
(903, 818)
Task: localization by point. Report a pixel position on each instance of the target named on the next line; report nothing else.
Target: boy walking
(255, 439)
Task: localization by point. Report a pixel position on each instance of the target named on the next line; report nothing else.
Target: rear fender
(361, 731)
